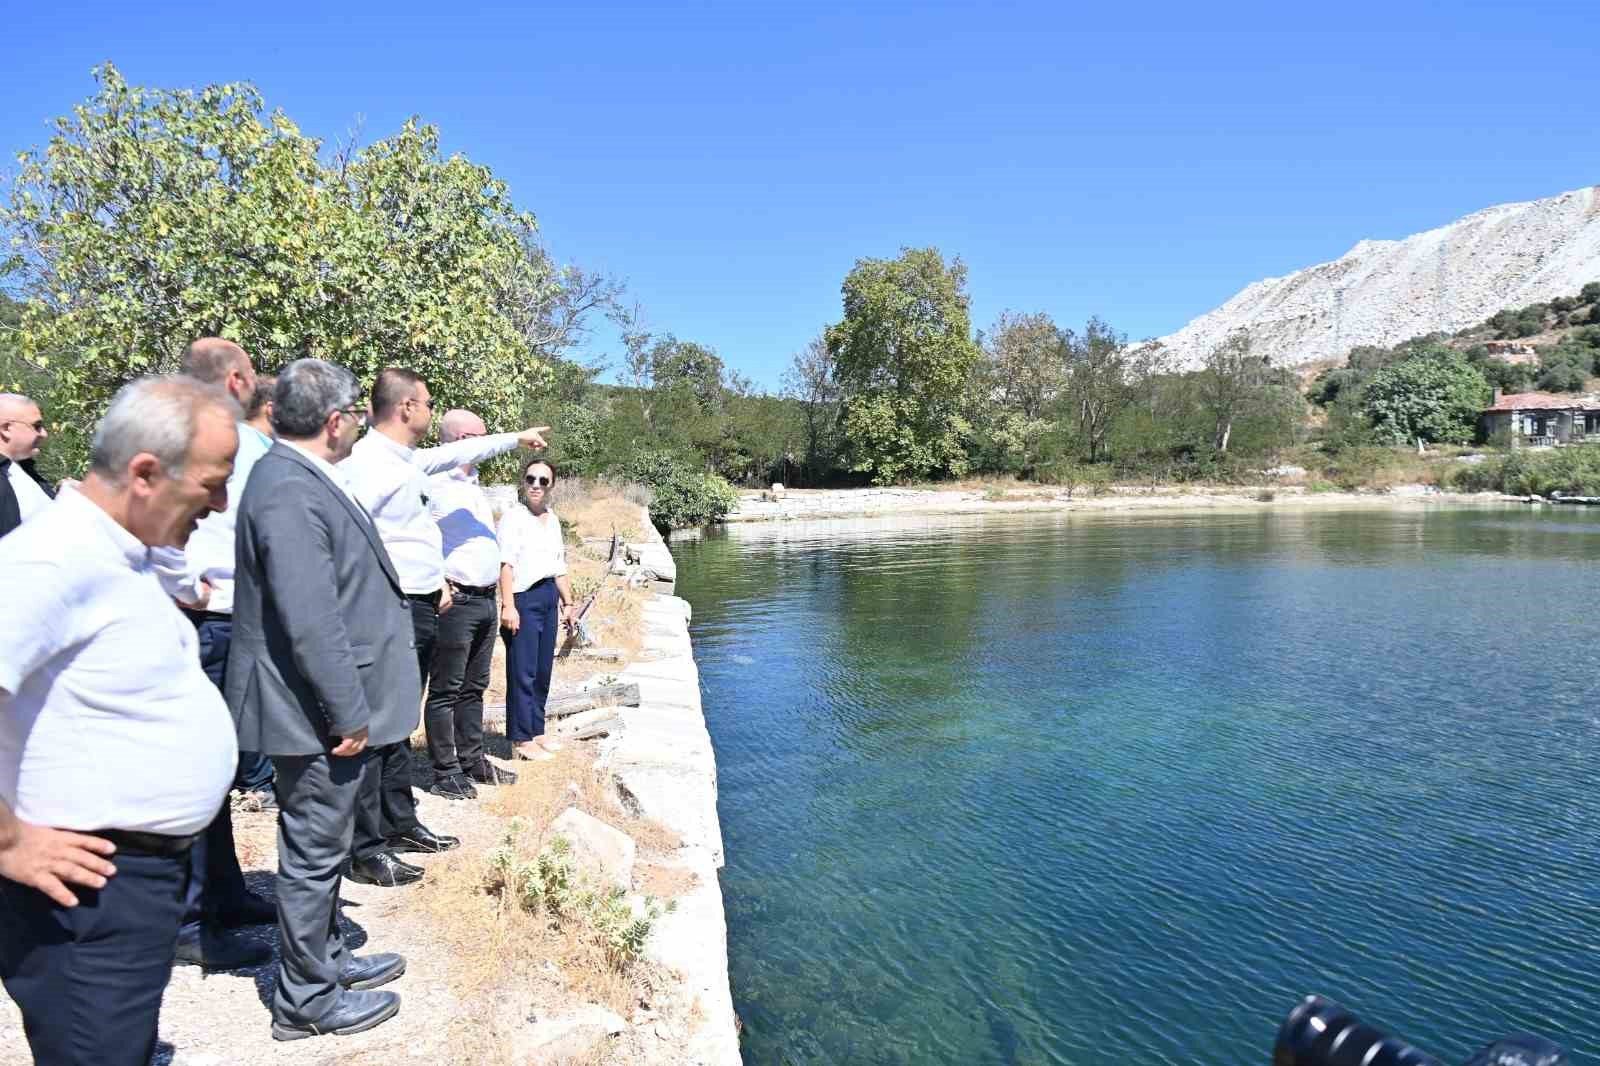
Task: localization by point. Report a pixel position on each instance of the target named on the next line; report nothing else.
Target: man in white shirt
(389, 475)
(23, 493)
(200, 577)
(98, 670)
(464, 647)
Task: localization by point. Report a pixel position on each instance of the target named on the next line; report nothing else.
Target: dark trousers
(530, 659)
(317, 797)
(89, 978)
(459, 673)
(386, 806)
(216, 884)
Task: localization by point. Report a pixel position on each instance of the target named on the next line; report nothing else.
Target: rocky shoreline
(820, 504)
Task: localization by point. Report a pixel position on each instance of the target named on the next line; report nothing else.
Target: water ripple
(1078, 790)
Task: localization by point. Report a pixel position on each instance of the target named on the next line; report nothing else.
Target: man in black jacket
(22, 491)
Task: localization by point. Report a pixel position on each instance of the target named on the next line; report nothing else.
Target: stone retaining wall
(663, 766)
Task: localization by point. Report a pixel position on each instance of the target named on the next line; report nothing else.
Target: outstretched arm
(471, 450)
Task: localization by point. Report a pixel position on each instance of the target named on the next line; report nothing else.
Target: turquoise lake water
(1087, 789)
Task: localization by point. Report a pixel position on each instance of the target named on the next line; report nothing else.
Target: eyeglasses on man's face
(537, 481)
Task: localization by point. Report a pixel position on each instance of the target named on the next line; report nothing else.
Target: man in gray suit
(322, 669)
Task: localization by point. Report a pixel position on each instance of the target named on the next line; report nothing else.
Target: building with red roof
(1542, 419)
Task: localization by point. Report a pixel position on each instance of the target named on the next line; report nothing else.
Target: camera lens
(1319, 1032)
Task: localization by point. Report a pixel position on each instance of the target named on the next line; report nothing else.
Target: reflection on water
(1101, 789)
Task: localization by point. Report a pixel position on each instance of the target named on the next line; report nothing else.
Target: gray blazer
(322, 638)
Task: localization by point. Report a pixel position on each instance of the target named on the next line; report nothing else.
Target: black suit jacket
(322, 637)
(10, 512)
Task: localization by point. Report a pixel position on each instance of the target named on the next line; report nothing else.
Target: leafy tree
(809, 381)
(155, 216)
(1434, 398)
(1024, 363)
(1104, 376)
(902, 356)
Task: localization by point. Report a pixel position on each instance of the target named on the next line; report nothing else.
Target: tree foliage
(1434, 397)
(155, 216)
(902, 356)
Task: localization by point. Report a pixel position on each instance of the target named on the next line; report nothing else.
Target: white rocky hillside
(1384, 292)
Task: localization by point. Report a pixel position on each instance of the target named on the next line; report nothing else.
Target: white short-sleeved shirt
(533, 546)
(466, 524)
(106, 719)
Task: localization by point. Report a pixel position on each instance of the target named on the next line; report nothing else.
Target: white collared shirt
(391, 481)
(209, 554)
(333, 473)
(31, 499)
(466, 527)
(533, 546)
(106, 719)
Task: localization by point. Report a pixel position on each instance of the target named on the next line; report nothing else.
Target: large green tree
(154, 216)
(903, 355)
(1433, 397)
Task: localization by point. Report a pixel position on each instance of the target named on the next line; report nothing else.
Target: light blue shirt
(208, 556)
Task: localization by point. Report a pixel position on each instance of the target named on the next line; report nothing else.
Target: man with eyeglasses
(389, 475)
(23, 493)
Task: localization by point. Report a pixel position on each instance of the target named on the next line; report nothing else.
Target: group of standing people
(244, 591)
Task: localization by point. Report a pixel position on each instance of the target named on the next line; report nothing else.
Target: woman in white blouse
(533, 588)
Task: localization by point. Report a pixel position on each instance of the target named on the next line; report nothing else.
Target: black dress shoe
(353, 1012)
(248, 909)
(217, 949)
(420, 838)
(382, 868)
(369, 971)
(487, 773)
(455, 787)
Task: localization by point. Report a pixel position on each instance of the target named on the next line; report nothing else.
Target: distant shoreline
(806, 505)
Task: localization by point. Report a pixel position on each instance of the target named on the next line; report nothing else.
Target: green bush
(1570, 471)
(682, 495)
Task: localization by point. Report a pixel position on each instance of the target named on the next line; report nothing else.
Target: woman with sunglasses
(533, 589)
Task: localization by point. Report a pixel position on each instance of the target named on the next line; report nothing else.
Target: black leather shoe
(353, 1012)
(455, 787)
(382, 868)
(248, 909)
(369, 971)
(421, 838)
(487, 773)
(216, 949)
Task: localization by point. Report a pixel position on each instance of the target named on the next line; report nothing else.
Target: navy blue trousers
(530, 659)
(216, 884)
(89, 978)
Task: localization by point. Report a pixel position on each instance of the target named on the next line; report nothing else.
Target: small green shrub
(548, 884)
(681, 495)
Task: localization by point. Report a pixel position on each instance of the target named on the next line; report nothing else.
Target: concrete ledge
(664, 768)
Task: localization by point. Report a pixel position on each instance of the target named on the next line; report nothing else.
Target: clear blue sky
(731, 161)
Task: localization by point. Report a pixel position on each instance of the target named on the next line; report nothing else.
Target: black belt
(135, 842)
(205, 616)
(424, 597)
(472, 590)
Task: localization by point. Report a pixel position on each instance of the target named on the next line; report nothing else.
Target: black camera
(1319, 1032)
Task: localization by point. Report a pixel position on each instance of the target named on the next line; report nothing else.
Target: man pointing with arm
(389, 475)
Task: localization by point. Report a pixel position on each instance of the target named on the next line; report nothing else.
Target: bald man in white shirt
(23, 493)
(100, 670)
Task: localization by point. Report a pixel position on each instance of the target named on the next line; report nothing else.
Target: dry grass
(507, 964)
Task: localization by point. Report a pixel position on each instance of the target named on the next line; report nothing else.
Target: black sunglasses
(538, 479)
